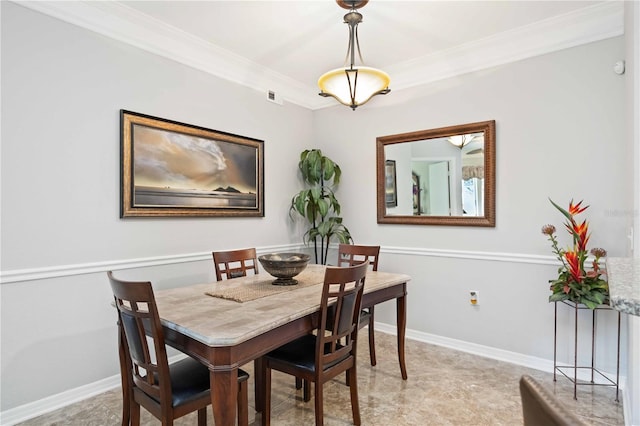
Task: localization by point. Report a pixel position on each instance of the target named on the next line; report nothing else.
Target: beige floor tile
(445, 387)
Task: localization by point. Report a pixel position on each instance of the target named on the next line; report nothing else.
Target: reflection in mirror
(441, 176)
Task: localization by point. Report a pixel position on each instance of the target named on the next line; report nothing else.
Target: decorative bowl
(284, 266)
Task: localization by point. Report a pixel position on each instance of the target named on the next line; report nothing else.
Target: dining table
(226, 324)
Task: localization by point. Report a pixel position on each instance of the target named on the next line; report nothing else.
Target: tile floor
(445, 387)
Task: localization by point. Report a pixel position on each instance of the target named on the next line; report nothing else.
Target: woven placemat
(256, 290)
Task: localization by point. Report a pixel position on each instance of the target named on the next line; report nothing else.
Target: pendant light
(353, 85)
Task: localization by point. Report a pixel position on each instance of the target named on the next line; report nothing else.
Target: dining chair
(235, 263)
(330, 351)
(350, 255)
(541, 408)
(168, 391)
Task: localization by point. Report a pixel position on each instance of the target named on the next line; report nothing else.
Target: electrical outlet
(474, 297)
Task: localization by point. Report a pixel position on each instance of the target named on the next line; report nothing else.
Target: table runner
(261, 288)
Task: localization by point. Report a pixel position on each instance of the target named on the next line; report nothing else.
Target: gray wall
(560, 134)
(560, 123)
(62, 89)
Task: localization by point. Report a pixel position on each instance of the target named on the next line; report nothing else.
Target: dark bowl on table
(284, 266)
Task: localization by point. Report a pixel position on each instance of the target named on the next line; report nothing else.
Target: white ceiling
(285, 46)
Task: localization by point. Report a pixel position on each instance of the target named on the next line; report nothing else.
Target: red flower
(577, 281)
(581, 235)
(576, 209)
(573, 261)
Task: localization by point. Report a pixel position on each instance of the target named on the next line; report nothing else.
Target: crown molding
(587, 25)
(120, 22)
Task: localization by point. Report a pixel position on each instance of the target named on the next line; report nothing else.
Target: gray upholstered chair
(541, 408)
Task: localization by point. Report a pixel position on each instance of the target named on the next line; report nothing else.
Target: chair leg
(298, 383)
(319, 403)
(266, 395)
(124, 377)
(135, 414)
(306, 391)
(372, 343)
(243, 404)
(353, 389)
(202, 417)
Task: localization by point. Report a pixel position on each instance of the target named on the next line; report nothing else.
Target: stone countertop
(623, 275)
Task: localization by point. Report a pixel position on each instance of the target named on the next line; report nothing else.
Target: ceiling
(284, 46)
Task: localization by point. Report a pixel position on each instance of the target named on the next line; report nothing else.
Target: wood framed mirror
(443, 176)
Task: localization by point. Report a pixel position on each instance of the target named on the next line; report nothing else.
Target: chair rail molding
(43, 273)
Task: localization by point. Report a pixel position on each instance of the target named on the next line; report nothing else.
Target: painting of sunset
(182, 170)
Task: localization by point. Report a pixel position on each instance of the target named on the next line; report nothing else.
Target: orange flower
(573, 261)
(581, 234)
(576, 281)
(576, 209)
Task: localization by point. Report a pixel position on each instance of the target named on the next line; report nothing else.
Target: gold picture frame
(171, 169)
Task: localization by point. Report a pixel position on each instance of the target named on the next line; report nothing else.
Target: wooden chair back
(143, 338)
(339, 314)
(352, 254)
(146, 374)
(235, 263)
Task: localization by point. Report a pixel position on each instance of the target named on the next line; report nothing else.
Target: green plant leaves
(318, 203)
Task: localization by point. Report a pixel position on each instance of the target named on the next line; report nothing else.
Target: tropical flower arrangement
(578, 280)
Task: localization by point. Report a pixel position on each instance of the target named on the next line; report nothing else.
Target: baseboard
(46, 405)
(516, 358)
(54, 402)
(472, 348)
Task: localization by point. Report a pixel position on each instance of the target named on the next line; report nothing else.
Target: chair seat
(301, 353)
(190, 381)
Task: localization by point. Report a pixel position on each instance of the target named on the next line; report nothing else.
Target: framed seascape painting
(175, 169)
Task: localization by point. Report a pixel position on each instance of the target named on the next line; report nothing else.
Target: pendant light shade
(353, 85)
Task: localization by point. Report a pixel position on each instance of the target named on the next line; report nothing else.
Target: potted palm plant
(318, 204)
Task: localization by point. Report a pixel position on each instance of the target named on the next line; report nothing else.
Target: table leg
(401, 320)
(224, 392)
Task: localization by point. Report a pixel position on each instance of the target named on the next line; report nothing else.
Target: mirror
(443, 176)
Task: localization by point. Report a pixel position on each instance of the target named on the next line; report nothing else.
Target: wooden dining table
(224, 334)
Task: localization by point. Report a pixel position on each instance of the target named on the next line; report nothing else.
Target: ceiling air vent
(272, 97)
